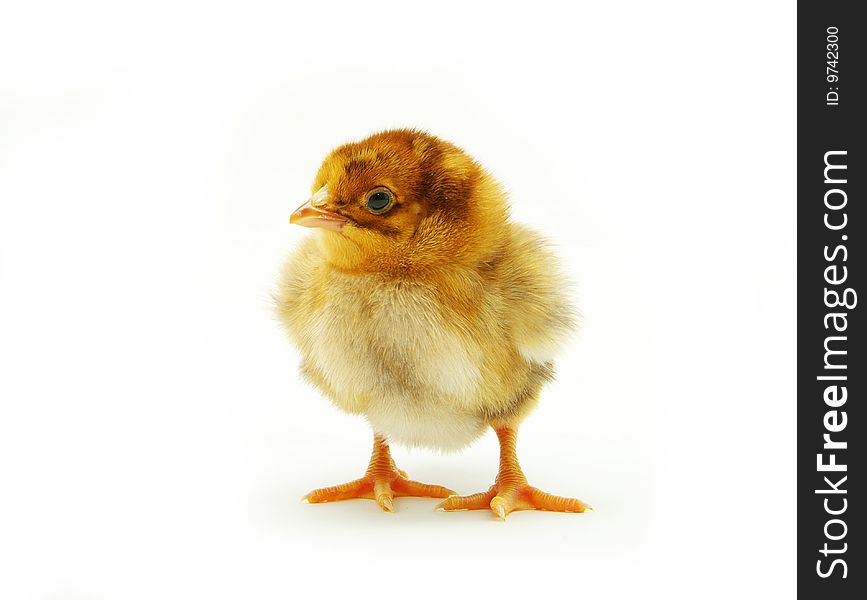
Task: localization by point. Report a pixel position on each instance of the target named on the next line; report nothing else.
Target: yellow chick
(418, 304)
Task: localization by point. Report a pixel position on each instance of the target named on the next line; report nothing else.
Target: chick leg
(382, 482)
(510, 490)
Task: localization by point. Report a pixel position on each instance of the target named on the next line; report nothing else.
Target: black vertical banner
(832, 371)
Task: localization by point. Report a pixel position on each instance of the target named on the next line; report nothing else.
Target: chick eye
(379, 201)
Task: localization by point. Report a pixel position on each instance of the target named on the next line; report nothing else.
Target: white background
(154, 437)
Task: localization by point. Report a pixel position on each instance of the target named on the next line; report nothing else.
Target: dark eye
(379, 201)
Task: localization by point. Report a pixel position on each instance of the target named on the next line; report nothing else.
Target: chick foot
(382, 482)
(511, 491)
(503, 499)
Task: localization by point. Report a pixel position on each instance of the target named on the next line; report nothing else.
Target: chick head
(403, 200)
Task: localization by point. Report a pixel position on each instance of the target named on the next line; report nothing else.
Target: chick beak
(311, 214)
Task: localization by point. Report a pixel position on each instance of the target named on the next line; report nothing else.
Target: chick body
(431, 359)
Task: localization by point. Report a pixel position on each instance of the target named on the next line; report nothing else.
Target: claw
(442, 505)
(497, 505)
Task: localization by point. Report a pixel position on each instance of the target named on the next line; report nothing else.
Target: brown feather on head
(404, 202)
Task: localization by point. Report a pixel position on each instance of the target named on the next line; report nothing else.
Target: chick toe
(472, 502)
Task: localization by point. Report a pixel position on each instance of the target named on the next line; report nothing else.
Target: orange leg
(382, 482)
(511, 490)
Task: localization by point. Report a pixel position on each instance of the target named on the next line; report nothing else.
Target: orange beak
(310, 214)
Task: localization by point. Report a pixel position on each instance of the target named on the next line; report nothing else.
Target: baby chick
(417, 304)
